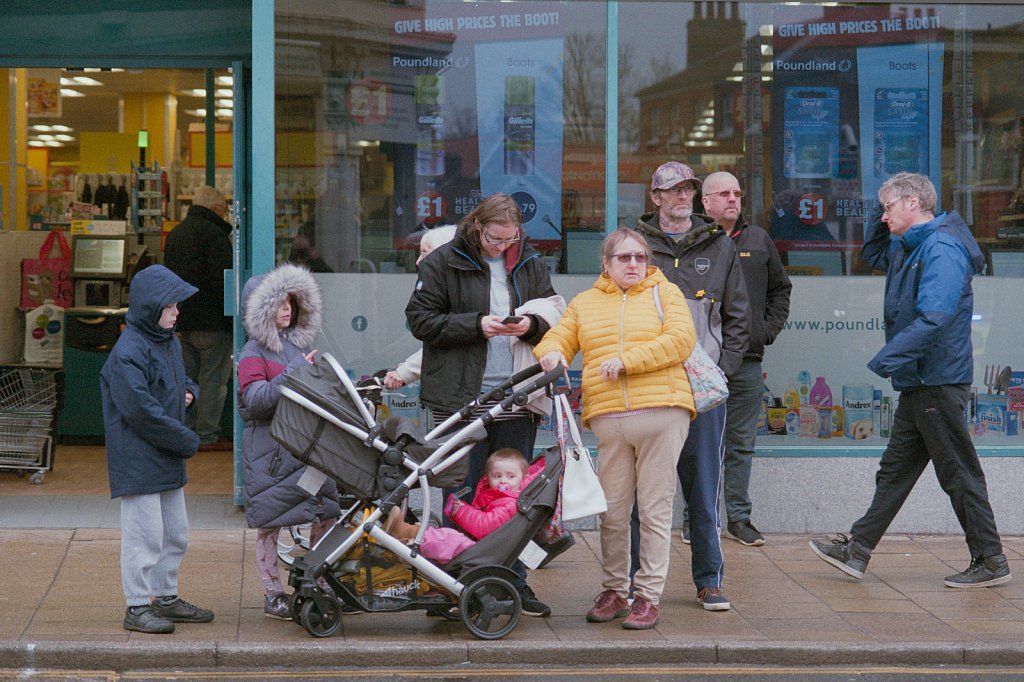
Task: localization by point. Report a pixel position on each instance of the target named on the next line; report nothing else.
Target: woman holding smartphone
(481, 301)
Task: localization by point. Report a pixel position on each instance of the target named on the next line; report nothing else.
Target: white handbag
(582, 494)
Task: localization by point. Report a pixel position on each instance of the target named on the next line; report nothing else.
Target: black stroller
(324, 422)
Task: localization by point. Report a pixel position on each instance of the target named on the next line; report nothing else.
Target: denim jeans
(929, 426)
(207, 356)
(746, 387)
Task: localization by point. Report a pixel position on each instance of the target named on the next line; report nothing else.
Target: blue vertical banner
(519, 114)
(858, 91)
(900, 88)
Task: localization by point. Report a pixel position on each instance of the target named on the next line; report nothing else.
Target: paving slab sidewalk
(61, 606)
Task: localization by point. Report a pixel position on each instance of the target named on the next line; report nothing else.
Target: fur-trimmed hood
(264, 293)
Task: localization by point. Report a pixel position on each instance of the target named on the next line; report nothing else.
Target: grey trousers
(154, 535)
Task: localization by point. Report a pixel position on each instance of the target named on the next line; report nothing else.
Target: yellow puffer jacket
(605, 323)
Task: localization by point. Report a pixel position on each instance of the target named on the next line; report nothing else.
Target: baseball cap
(672, 173)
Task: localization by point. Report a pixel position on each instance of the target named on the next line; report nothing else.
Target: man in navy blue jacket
(929, 261)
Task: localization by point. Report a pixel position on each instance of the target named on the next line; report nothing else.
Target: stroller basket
(351, 459)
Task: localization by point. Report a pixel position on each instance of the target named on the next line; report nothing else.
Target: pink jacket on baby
(492, 507)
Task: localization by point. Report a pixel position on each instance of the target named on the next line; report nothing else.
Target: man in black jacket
(697, 256)
(768, 288)
(199, 251)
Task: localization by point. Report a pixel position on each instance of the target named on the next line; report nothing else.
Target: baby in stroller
(506, 472)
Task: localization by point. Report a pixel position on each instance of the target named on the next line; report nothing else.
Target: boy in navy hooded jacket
(145, 394)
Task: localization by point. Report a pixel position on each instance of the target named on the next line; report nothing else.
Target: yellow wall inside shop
(108, 152)
(223, 149)
(14, 216)
(39, 158)
(114, 152)
(291, 149)
(299, 149)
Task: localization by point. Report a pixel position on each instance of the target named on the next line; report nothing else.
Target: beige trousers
(636, 458)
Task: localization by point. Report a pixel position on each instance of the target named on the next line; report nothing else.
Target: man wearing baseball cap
(698, 256)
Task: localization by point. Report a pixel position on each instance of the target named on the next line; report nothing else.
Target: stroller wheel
(295, 604)
(292, 542)
(320, 616)
(490, 607)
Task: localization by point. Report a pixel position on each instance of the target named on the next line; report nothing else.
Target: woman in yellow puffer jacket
(637, 400)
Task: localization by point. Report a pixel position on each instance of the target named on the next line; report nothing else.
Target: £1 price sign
(368, 101)
(430, 207)
(812, 209)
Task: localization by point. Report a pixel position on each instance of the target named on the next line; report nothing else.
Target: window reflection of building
(335, 64)
(678, 114)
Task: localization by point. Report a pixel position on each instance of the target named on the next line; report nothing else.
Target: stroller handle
(497, 393)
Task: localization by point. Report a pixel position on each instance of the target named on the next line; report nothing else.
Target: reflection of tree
(585, 91)
(629, 110)
(631, 82)
(584, 88)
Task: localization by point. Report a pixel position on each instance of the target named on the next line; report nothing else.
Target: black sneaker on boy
(846, 554)
(145, 619)
(983, 572)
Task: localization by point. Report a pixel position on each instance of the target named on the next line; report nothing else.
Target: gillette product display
(520, 125)
(428, 94)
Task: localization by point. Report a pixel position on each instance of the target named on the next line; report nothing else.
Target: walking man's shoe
(178, 610)
(712, 599)
(608, 606)
(744, 533)
(983, 572)
(685, 533)
(643, 615)
(846, 554)
(145, 619)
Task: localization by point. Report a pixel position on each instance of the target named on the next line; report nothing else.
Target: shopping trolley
(29, 400)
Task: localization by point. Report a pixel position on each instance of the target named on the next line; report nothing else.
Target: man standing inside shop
(698, 257)
(929, 261)
(768, 287)
(199, 251)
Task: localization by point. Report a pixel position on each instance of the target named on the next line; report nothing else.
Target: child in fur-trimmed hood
(282, 314)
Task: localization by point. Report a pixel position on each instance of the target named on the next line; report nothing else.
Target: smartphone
(512, 319)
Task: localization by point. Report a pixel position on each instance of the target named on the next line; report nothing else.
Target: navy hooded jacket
(929, 302)
(143, 386)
